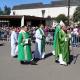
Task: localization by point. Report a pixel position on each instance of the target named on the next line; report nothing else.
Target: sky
(11, 3)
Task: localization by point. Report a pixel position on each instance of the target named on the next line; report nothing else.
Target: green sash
(42, 41)
(25, 52)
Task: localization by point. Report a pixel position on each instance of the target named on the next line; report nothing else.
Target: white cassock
(38, 53)
(14, 47)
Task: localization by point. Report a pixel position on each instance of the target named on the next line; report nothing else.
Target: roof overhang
(20, 16)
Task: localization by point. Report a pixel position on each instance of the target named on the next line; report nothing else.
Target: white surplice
(38, 53)
(14, 48)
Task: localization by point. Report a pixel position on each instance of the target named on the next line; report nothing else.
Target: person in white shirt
(75, 37)
(14, 40)
(40, 43)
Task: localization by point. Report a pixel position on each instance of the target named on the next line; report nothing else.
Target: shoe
(27, 62)
(56, 61)
(22, 62)
(42, 59)
(63, 63)
(36, 59)
(15, 56)
(33, 63)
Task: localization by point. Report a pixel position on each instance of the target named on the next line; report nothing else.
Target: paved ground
(10, 69)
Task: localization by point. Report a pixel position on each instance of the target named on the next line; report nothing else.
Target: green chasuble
(55, 41)
(24, 50)
(64, 45)
(55, 35)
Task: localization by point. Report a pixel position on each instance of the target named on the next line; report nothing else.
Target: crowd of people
(61, 38)
(21, 45)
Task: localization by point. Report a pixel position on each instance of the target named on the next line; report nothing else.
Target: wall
(53, 12)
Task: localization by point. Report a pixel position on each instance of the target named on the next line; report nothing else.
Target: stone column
(22, 21)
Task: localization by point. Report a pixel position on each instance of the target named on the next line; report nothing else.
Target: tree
(61, 17)
(7, 10)
(1, 12)
(76, 15)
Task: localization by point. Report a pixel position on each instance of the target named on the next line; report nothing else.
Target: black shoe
(42, 59)
(27, 62)
(22, 62)
(33, 63)
(15, 56)
(56, 61)
(36, 59)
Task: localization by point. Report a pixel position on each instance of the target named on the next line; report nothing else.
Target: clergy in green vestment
(63, 45)
(55, 42)
(24, 46)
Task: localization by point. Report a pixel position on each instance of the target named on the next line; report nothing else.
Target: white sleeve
(16, 40)
(38, 35)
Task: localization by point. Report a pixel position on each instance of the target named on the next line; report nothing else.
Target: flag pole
(68, 12)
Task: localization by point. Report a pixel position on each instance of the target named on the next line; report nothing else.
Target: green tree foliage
(1, 12)
(61, 17)
(76, 15)
(6, 10)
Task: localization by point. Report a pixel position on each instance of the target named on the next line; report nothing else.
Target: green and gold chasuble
(24, 50)
(55, 35)
(64, 45)
(55, 41)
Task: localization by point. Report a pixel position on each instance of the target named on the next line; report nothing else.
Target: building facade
(44, 10)
(52, 10)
